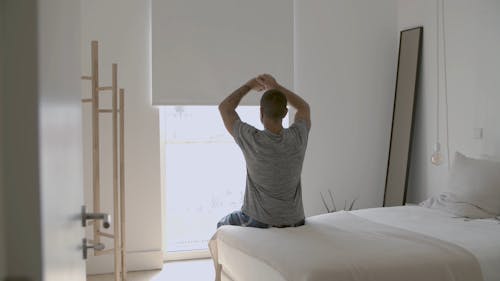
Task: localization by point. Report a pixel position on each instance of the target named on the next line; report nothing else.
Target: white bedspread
(352, 246)
(480, 237)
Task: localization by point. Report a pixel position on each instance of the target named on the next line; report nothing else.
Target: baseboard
(144, 260)
(188, 255)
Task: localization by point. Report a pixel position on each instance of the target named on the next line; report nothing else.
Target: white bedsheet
(481, 238)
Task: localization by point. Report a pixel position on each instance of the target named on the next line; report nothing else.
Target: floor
(198, 270)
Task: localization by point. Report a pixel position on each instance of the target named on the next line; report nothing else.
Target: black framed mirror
(410, 44)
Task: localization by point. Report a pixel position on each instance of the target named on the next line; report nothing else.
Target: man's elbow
(225, 110)
(222, 108)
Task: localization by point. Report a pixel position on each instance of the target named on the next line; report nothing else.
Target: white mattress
(480, 237)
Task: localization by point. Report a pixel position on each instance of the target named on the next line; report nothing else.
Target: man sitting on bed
(274, 156)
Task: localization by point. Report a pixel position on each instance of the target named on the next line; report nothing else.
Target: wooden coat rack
(117, 112)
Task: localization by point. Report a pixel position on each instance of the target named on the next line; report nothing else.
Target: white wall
(473, 67)
(345, 65)
(122, 29)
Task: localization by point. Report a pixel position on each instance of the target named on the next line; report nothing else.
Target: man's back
(273, 192)
(274, 157)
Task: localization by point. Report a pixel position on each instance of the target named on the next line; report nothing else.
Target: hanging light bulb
(437, 157)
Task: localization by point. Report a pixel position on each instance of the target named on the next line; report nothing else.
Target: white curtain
(204, 49)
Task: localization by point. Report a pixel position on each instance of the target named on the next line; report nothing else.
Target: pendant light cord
(445, 88)
(445, 77)
(437, 71)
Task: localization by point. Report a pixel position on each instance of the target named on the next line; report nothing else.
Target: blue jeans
(241, 219)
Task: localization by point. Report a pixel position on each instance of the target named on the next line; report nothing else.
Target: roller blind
(203, 50)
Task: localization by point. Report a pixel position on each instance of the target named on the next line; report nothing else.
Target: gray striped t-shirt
(273, 193)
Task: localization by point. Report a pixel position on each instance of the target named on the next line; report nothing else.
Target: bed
(452, 236)
(396, 243)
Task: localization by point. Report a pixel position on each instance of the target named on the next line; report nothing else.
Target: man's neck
(273, 127)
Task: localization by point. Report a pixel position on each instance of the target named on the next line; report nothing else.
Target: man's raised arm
(303, 109)
(227, 107)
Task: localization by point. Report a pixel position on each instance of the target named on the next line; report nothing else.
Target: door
(41, 140)
(60, 144)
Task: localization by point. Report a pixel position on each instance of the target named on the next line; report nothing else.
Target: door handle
(106, 218)
(86, 247)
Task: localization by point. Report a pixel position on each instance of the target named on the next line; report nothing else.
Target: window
(204, 173)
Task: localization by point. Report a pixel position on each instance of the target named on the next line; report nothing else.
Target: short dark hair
(273, 104)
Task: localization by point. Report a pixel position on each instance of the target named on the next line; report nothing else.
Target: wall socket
(478, 133)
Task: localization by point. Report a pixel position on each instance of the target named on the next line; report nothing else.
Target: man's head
(273, 105)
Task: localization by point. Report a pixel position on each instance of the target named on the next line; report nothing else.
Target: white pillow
(473, 189)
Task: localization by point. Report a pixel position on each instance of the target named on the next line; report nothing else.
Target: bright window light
(204, 173)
